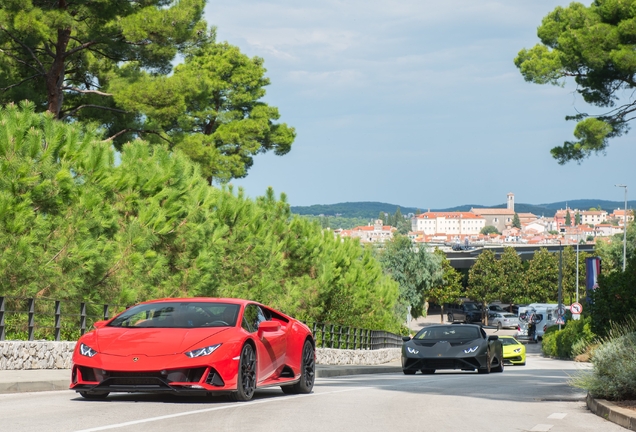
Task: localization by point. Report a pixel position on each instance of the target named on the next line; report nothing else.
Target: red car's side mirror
(268, 326)
(99, 324)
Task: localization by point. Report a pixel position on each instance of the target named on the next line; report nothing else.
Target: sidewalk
(36, 380)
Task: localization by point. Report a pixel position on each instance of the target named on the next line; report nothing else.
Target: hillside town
(569, 226)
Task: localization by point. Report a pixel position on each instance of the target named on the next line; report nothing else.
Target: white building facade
(449, 223)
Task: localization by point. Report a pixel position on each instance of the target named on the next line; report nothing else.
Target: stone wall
(330, 356)
(57, 355)
(35, 355)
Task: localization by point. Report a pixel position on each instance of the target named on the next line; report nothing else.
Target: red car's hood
(122, 341)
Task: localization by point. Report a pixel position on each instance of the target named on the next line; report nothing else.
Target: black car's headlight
(87, 351)
(412, 350)
(202, 351)
(471, 350)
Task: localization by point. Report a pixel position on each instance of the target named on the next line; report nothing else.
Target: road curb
(34, 386)
(353, 370)
(614, 413)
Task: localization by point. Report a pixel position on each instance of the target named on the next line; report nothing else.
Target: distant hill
(371, 209)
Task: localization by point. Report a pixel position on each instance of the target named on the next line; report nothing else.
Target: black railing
(48, 319)
(43, 318)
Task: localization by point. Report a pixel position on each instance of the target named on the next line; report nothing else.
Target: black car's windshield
(450, 332)
(178, 315)
(471, 306)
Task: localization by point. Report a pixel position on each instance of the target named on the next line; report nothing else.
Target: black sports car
(452, 346)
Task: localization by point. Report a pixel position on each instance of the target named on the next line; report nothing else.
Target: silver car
(503, 320)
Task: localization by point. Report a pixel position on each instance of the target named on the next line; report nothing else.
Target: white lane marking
(186, 413)
(541, 428)
(244, 404)
(559, 416)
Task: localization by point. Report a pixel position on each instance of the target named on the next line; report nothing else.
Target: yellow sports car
(513, 351)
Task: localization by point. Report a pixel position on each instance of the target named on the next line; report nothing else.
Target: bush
(614, 374)
(561, 343)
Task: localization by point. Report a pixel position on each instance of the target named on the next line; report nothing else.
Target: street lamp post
(624, 227)
(560, 291)
(577, 263)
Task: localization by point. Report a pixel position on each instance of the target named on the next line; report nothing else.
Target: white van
(543, 315)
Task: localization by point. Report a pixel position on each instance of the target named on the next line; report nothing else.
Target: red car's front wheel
(246, 384)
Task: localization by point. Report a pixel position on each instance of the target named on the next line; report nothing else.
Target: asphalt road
(531, 398)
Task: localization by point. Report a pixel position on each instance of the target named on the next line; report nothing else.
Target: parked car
(496, 308)
(466, 312)
(503, 320)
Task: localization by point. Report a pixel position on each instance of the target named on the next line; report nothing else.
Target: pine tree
(516, 222)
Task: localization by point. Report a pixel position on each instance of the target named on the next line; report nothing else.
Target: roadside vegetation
(75, 225)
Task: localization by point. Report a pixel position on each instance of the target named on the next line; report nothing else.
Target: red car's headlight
(87, 351)
(202, 351)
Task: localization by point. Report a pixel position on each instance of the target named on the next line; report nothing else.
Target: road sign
(560, 320)
(576, 308)
(561, 310)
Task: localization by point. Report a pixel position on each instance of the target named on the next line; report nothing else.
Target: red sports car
(195, 345)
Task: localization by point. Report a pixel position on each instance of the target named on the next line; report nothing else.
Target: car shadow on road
(154, 398)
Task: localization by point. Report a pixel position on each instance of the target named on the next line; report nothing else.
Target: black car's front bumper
(437, 363)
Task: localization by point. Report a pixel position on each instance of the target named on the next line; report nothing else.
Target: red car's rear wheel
(307, 372)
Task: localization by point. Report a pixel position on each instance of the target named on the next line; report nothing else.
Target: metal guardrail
(54, 319)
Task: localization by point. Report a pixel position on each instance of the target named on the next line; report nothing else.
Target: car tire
(246, 381)
(522, 364)
(486, 370)
(499, 367)
(408, 371)
(498, 326)
(450, 317)
(307, 372)
(94, 396)
(428, 371)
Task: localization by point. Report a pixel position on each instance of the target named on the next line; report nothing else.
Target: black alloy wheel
(408, 371)
(499, 367)
(499, 326)
(450, 317)
(486, 370)
(246, 384)
(307, 372)
(94, 396)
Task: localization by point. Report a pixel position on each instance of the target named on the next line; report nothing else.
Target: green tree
(542, 277)
(512, 277)
(447, 289)
(110, 64)
(577, 219)
(489, 229)
(568, 218)
(414, 269)
(611, 252)
(516, 222)
(484, 279)
(73, 225)
(595, 46)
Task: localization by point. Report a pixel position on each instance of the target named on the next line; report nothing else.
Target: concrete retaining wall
(19, 355)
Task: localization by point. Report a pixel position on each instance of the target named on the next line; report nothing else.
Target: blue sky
(414, 102)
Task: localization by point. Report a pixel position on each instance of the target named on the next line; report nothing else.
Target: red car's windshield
(178, 315)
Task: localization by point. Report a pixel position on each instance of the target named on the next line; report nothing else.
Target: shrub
(614, 374)
(560, 343)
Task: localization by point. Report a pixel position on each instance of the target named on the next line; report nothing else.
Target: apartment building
(448, 223)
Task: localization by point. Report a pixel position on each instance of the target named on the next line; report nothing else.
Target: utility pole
(560, 292)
